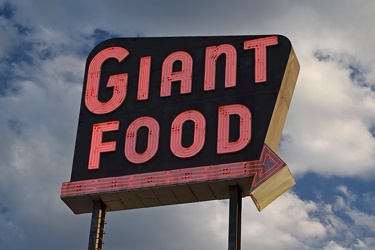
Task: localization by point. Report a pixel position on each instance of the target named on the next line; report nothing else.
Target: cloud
(330, 122)
(288, 223)
(38, 123)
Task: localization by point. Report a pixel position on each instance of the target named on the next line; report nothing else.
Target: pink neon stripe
(245, 169)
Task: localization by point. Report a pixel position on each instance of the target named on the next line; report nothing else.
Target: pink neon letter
(118, 82)
(223, 144)
(212, 53)
(199, 134)
(261, 55)
(131, 140)
(184, 75)
(97, 146)
(144, 78)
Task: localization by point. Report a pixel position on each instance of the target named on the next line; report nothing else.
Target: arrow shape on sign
(262, 170)
(268, 164)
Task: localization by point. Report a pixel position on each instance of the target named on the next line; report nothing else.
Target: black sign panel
(133, 75)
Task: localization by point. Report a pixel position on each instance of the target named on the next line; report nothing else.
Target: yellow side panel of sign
(283, 180)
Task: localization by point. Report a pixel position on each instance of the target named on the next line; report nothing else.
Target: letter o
(131, 139)
(199, 134)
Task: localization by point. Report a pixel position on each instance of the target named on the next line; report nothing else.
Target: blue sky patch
(326, 189)
(21, 29)
(100, 35)
(6, 87)
(19, 53)
(7, 10)
(4, 210)
(322, 57)
(15, 126)
(17, 56)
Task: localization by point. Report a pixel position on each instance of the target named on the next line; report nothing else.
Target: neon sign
(180, 113)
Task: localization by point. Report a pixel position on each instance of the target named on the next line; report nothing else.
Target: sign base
(272, 188)
(97, 225)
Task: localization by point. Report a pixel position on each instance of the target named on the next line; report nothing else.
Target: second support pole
(235, 208)
(97, 225)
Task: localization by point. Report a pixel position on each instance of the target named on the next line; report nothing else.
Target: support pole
(97, 225)
(235, 207)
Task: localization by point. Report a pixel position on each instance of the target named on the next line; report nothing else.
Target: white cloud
(328, 127)
(38, 124)
(360, 245)
(362, 219)
(293, 227)
(333, 246)
(288, 223)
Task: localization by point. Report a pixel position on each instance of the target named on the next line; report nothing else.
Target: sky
(328, 140)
